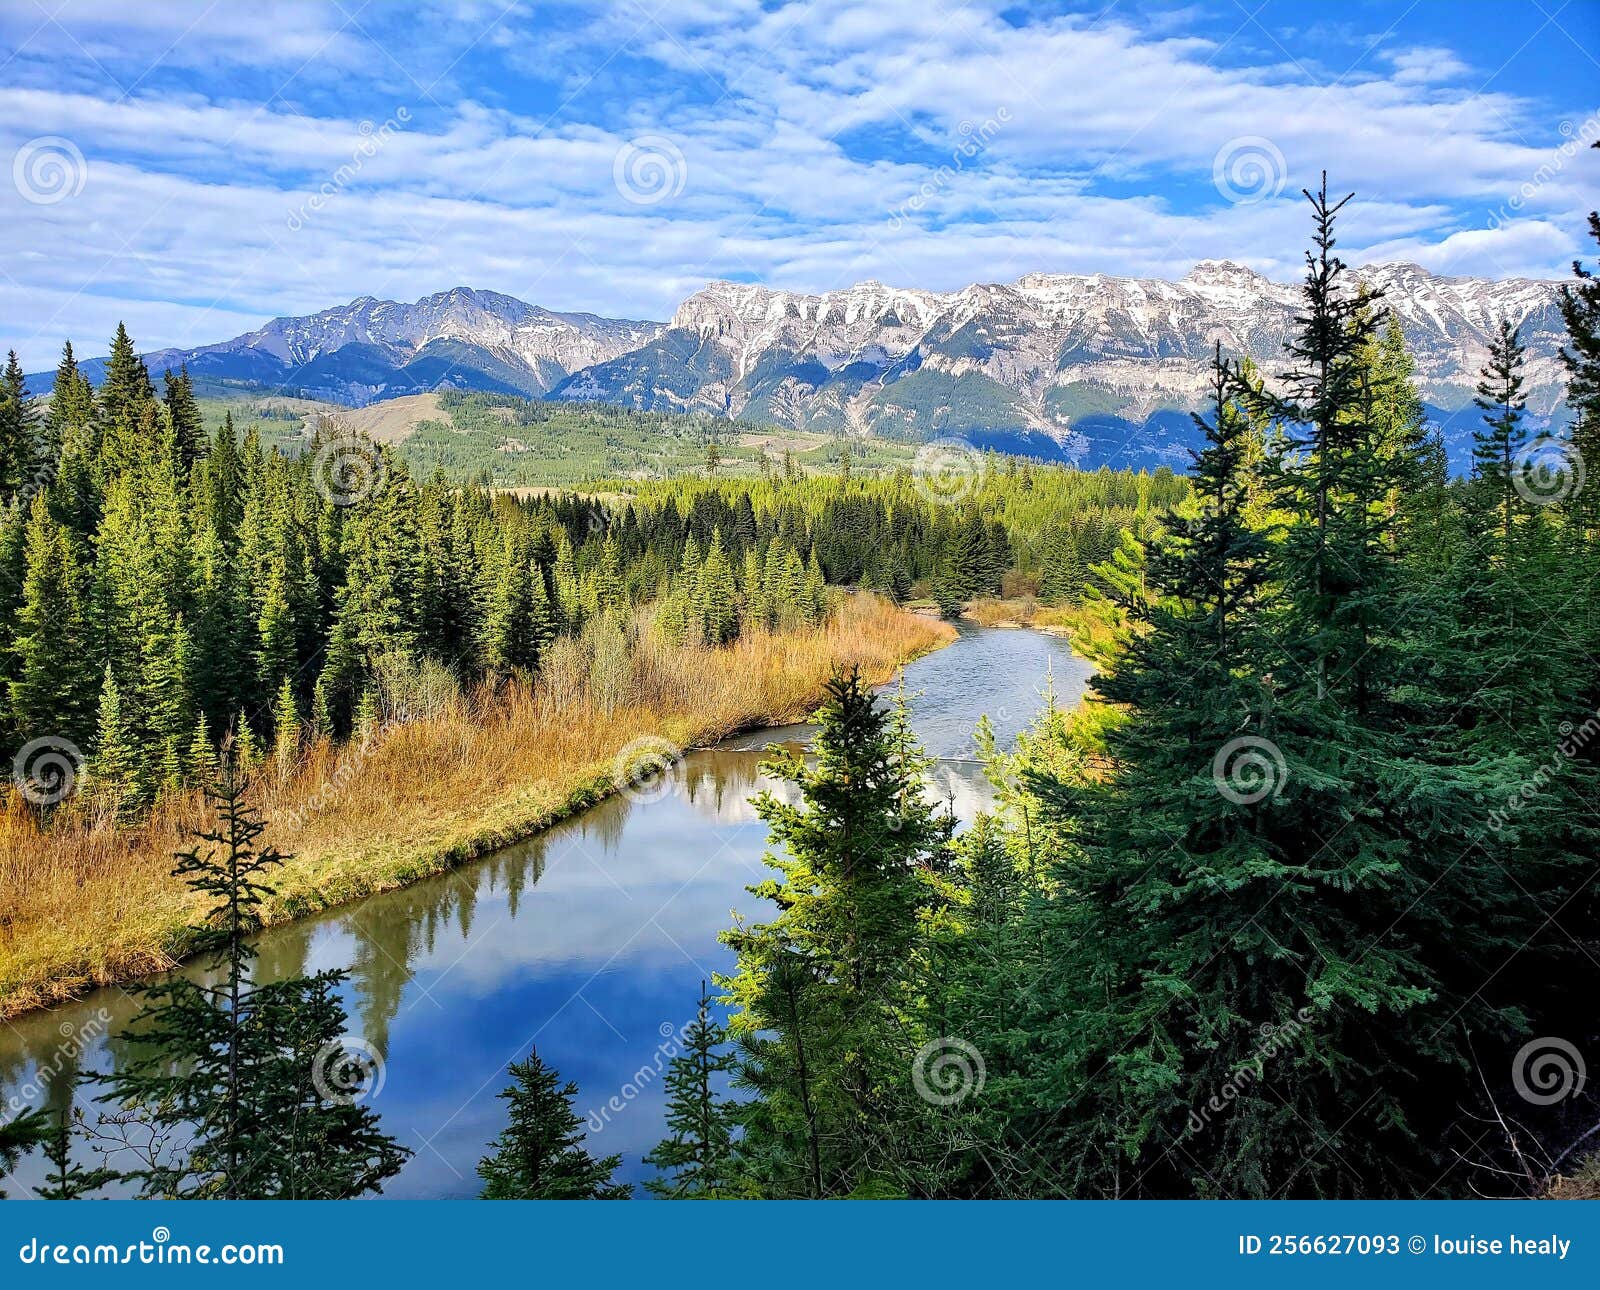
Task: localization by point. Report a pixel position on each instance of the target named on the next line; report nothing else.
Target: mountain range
(1092, 368)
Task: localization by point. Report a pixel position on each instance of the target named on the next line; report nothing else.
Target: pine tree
(114, 769)
(223, 495)
(540, 1154)
(814, 591)
(127, 402)
(508, 643)
(756, 613)
(835, 960)
(71, 407)
(202, 764)
(19, 445)
(285, 728)
(54, 677)
(1336, 481)
(368, 716)
(184, 414)
(246, 1073)
(716, 600)
(1580, 312)
(1497, 448)
(246, 747)
(696, 1159)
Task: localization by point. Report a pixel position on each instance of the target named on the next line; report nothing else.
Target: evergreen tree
(114, 769)
(1580, 311)
(184, 414)
(71, 407)
(540, 1154)
(824, 990)
(1497, 448)
(247, 1074)
(202, 753)
(285, 728)
(716, 602)
(696, 1159)
(19, 447)
(127, 402)
(20, 1135)
(53, 676)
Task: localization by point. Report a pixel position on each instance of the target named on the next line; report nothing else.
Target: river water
(589, 941)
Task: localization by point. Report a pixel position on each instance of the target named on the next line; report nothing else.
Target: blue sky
(195, 168)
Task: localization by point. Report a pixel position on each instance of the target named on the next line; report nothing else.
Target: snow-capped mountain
(377, 349)
(1080, 360)
(1090, 367)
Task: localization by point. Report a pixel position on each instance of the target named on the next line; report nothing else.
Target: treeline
(907, 537)
(1302, 905)
(160, 589)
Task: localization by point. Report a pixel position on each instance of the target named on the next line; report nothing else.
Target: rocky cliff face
(374, 349)
(1076, 360)
(1093, 368)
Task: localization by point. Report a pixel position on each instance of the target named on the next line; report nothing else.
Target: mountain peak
(1222, 271)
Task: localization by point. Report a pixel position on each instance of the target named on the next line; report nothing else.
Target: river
(590, 940)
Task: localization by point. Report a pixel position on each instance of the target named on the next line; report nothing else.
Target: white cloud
(1424, 64)
(803, 128)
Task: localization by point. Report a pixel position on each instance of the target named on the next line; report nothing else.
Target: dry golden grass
(86, 904)
(1582, 1184)
(992, 611)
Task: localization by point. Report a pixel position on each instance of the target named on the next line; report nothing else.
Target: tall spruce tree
(836, 961)
(1497, 448)
(183, 412)
(19, 432)
(695, 1160)
(252, 1076)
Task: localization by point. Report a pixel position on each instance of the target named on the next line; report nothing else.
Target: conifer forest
(791, 752)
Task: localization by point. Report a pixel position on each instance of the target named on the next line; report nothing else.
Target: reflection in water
(590, 940)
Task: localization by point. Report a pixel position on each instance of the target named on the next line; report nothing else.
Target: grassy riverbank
(85, 903)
